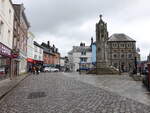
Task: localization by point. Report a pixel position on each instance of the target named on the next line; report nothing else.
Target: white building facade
(30, 45)
(80, 58)
(6, 37)
(30, 50)
(38, 52)
(6, 22)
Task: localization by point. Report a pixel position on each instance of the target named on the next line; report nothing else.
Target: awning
(30, 60)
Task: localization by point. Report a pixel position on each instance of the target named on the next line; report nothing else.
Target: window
(3, 1)
(83, 52)
(114, 45)
(129, 45)
(114, 51)
(122, 45)
(40, 51)
(130, 56)
(35, 49)
(115, 65)
(122, 56)
(9, 32)
(1, 27)
(15, 42)
(130, 51)
(9, 14)
(99, 49)
(83, 59)
(9, 36)
(35, 56)
(115, 56)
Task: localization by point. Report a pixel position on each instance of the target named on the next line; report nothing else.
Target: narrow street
(63, 93)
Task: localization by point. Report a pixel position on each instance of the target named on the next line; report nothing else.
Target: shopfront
(39, 64)
(5, 62)
(29, 64)
(15, 63)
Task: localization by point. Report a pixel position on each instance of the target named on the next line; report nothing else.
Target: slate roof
(120, 37)
(81, 48)
(37, 44)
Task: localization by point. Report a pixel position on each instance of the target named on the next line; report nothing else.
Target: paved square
(66, 95)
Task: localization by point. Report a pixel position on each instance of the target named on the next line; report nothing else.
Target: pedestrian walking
(37, 70)
(33, 69)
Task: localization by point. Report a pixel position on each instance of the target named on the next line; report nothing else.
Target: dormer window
(83, 53)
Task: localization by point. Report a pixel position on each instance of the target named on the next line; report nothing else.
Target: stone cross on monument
(100, 16)
(101, 37)
(101, 48)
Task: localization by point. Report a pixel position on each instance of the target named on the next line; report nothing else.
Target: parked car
(2, 71)
(47, 69)
(52, 69)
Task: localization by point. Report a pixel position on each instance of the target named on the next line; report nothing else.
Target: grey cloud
(49, 15)
(62, 19)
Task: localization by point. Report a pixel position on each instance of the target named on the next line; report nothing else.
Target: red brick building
(51, 56)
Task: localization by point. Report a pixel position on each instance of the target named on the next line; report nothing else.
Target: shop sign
(30, 60)
(5, 50)
(14, 55)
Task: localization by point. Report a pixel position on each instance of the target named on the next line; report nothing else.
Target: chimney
(91, 40)
(48, 43)
(81, 44)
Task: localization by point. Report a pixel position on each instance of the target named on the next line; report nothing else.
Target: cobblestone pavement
(120, 84)
(65, 95)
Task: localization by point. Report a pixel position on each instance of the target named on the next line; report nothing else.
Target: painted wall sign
(5, 50)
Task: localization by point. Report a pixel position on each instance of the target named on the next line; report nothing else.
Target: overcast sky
(68, 22)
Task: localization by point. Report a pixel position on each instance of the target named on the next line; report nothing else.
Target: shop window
(4, 67)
